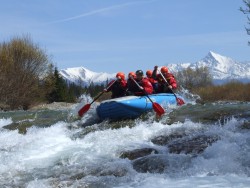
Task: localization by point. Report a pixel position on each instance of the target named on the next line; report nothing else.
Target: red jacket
(152, 80)
(162, 84)
(147, 86)
(154, 84)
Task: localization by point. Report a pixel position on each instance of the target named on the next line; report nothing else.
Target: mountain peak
(211, 53)
(222, 67)
(217, 57)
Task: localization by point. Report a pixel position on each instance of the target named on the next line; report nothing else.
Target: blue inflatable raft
(132, 106)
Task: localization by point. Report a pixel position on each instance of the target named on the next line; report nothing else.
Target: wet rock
(151, 164)
(78, 176)
(107, 169)
(193, 145)
(245, 125)
(162, 163)
(165, 139)
(137, 153)
(20, 126)
(117, 172)
(209, 113)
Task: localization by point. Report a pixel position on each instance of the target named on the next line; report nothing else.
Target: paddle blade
(83, 110)
(180, 101)
(158, 109)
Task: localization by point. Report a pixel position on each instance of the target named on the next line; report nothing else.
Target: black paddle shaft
(167, 83)
(86, 107)
(102, 92)
(179, 101)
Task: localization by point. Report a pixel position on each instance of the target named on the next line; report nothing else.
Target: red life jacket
(152, 80)
(162, 84)
(145, 83)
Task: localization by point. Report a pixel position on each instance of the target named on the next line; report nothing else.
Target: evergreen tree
(59, 91)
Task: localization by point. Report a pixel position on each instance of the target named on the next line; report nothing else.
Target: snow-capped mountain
(83, 76)
(221, 68)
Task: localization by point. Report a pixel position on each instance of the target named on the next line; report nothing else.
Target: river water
(49, 148)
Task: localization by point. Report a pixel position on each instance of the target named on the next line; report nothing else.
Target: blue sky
(126, 35)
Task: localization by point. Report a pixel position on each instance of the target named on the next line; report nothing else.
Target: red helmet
(121, 75)
(132, 74)
(164, 70)
(149, 73)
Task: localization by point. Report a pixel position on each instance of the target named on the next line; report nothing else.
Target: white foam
(53, 150)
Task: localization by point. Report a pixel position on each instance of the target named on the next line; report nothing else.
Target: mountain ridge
(222, 69)
(83, 76)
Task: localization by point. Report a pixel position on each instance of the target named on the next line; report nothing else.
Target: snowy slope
(222, 69)
(83, 76)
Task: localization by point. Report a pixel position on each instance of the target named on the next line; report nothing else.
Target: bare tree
(194, 78)
(246, 10)
(24, 67)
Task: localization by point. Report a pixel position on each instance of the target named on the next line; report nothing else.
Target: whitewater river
(49, 148)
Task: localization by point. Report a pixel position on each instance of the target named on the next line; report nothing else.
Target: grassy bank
(233, 91)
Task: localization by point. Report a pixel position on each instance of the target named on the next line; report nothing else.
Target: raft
(130, 107)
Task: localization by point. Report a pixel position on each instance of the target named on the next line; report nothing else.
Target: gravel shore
(54, 106)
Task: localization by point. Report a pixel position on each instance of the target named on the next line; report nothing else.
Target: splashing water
(55, 152)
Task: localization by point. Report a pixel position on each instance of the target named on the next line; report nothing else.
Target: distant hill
(222, 69)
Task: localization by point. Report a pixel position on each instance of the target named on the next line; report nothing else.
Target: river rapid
(51, 148)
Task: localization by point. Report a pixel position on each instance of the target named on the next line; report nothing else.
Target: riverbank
(53, 106)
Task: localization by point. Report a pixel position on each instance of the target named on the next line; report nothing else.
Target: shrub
(23, 67)
(194, 78)
(234, 90)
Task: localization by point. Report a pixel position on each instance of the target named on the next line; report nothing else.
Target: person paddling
(145, 85)
(154, 82)
(118, 88)
(164, 87)
(132, 87)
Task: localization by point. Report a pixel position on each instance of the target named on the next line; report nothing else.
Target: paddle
(86, 107)
(178, 100)
(157, 108)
